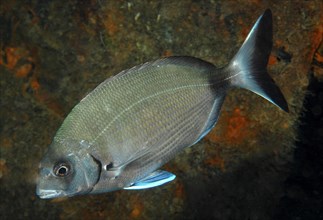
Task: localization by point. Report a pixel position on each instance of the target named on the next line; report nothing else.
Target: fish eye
(62, 169)
(109, 166)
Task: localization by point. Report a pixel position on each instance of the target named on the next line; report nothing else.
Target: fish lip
(49, 193)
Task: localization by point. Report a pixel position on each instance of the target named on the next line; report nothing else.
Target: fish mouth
(49, 193)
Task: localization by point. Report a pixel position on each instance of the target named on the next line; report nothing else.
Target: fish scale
(92, 104)
(164, 117)
(161, 81)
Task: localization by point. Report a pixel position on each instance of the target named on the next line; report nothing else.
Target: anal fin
(212, 119)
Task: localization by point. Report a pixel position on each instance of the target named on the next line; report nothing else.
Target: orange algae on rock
(12, 56)
(179, 190)
(167, 53)
(234, 129)
(35, 85)
(23, 70)
(216, 161)
(50, 103)
(3, 168)
(137, 207)
(112, 18)
(272, 60)
(135, 212)
(6, 142)
(316, 39)
(318, 57)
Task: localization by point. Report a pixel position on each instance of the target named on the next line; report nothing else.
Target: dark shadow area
(303, 188)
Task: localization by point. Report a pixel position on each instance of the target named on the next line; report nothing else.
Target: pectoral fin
(156, 178)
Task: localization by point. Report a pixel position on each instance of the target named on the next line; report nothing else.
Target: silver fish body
(133, 123)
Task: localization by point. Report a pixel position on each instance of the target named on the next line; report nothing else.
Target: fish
(120, 134)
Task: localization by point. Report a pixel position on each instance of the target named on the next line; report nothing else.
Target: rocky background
(257, 163)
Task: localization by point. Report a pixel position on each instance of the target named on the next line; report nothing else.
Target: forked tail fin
(248, 67)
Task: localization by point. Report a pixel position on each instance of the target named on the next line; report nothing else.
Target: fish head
(66, 170)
